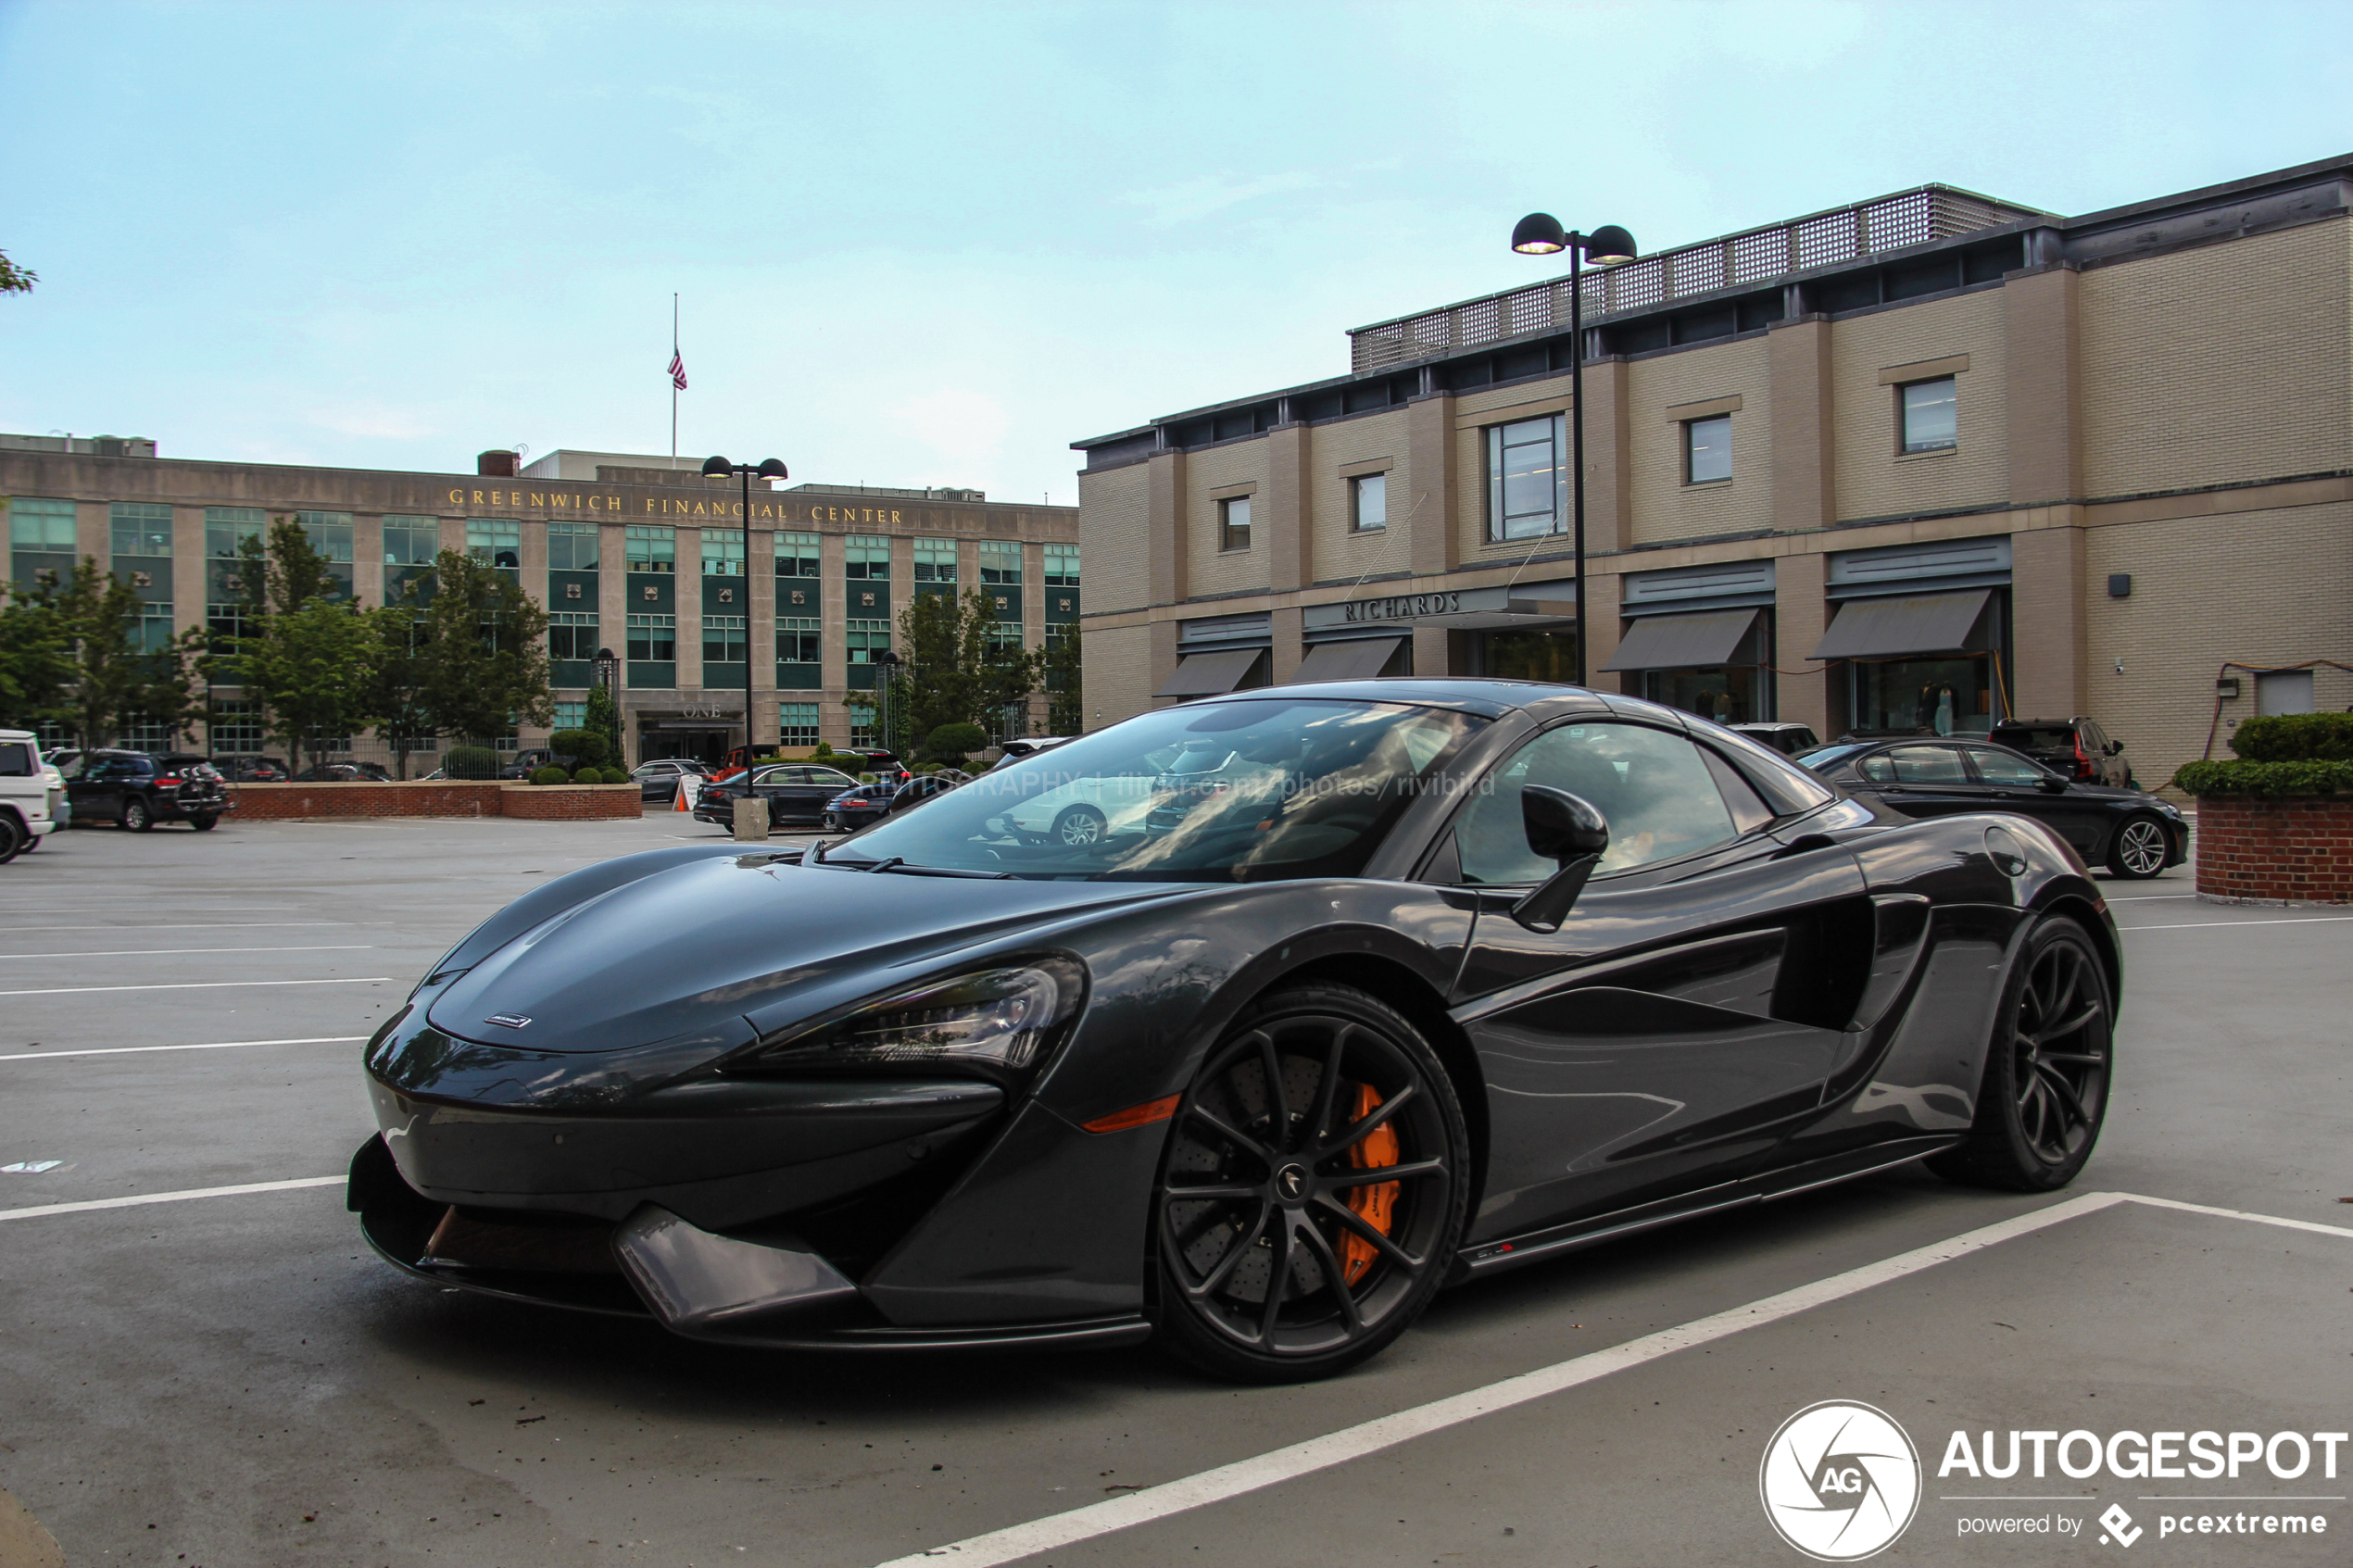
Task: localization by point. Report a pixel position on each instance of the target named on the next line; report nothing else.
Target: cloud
(1205, 194)
(966, 428)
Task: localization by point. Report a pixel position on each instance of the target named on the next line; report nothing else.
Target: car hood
(701, 946)
(2110, 791)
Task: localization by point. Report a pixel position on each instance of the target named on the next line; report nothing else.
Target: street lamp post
(770, 469)
(1540, 233)
(888, 659)
(605, 670)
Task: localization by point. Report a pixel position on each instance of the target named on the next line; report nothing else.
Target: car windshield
(2036, 737)
(1245, 791)
(1823, 756)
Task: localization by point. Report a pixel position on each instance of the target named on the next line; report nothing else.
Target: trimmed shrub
(2267, 780)
(585, 748)
(2296, 737)
(611, 775)
(470, 762)
(550, 776)
(952, 743)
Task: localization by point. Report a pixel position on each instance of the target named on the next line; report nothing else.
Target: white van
(30, 805)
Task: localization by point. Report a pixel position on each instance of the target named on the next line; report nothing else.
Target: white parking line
(87, 1205)
(208, 1046)
(2215, 924)
(167, 952)
(198, 985)
(1338, 1448)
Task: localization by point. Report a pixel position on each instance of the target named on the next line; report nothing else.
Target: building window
(235, 730)
(648, 548)
(496, 541)
(40, 538)
(226, 624)
(140, 528)
(1930, 414)
(796, 640)
(935, 561)
(869, 640)
(413, 541)
(571, 546)
(1527, 478)
(1708, 450)
(1233, 524)
(572, 634)
(1368, 502)
(723, 554)
(797, 724)
(153, 633)
(1000, 561)
(723, 639)
(797, 555)
(225, 528)
(1004, 636)
(653, 639)
(862, 725)
(866, 557)
(142, 734)
(571, 715)
(1061, 566)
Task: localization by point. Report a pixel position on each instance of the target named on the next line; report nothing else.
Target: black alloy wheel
(14, 837)
(2140, 848)
(1279, 1260)
(2046, 1089)
(1078, 826)
(135, 815)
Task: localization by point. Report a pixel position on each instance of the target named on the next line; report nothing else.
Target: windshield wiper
(896, 863)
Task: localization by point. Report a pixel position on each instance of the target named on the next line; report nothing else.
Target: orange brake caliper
(1375, 1201)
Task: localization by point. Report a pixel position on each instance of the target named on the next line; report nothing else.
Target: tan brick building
(1925, 461)
(626, 554)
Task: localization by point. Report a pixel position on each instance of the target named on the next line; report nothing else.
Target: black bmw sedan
(2135, 835)
(796, 791)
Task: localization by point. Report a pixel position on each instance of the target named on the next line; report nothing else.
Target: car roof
(1487, 698)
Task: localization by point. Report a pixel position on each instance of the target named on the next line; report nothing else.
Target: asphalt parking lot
(233, 1379)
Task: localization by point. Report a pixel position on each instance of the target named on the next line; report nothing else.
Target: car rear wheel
(204, 824)
(136, 817)
(2044, 1092)
(14, 839)
(1079, 825)
(2140, 848)
(1280, 1259)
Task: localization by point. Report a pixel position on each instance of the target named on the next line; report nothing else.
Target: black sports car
(1433, 978)
(2135, 835)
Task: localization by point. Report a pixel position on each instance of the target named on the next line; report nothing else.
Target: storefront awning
(1683, 642)
(1877, 628)
(1210, 674)
(1358, 660)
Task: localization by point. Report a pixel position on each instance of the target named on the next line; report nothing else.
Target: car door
(791, 794)
(95, 791)
(657, 781)
(1928, 778)
(1684, 1017)
(2020, 784)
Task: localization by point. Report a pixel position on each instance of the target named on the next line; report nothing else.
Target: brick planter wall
(2297, 850)
(280, 802)
(574, 803)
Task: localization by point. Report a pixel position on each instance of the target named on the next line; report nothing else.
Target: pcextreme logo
(1840, 1481)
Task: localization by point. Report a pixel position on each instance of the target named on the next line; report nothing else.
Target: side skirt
(1493, 1256)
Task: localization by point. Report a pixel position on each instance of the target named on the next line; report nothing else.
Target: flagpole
(674, 381)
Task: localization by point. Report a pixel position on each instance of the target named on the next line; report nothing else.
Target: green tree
(1065, 685)
(106, 676)
(36, 656)
(604, 717)
(314, 669)
(485, 650)
(15, 279)
(956, 672)
(281, 574)
(396, 692)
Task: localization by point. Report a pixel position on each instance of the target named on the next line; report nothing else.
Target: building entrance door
(660, 738)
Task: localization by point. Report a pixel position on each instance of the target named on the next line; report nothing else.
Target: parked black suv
(2076, 749)
(138, 789)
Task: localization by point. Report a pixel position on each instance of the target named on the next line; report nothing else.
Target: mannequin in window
(1944, 710)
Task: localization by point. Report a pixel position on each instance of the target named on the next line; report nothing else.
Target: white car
(31, 795)
(1085, 810)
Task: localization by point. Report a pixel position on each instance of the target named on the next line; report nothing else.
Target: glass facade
(1527, 478)
(1529, 655)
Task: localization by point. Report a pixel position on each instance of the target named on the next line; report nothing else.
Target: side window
(1748, 808)
(1927, 765)
(16, 759)
(1654, 788)
(1877, 770)
(2001, 768)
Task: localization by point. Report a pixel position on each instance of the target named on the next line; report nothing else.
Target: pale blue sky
(932, 245)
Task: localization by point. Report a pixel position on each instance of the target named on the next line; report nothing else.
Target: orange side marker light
(1142, 1115)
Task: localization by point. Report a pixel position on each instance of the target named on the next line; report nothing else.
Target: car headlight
(1003, 1021)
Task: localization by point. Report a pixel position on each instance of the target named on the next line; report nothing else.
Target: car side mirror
(2051, 785)
(1570, 832)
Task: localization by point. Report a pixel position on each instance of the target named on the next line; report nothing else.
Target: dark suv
(138, 789)
(2074, 748)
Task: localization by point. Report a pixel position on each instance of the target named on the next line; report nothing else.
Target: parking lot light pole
(770, 469)
(1540, 233)
(605, 670)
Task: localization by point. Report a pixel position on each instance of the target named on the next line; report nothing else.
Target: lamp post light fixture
(889, 660)
(770, 469)
(1540, 233)
(605, 670)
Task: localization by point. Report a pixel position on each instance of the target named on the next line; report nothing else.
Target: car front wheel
(14, 839)
(1310, 1197)
(2140, 848)
(2044, 1092)
(1079, 825)
(136, 817)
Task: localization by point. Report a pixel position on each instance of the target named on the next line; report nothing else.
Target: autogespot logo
(1840, 1481)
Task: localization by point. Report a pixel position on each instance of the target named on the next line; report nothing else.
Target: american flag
(677, 370)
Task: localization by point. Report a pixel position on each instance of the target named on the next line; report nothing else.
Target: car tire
(136, 815)
(1078, 826)
(14, 839)
(1358, 1262)
(204, 824)
(2048, 1068)
(2140, 848)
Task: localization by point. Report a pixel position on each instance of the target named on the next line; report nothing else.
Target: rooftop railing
(1743, 260)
